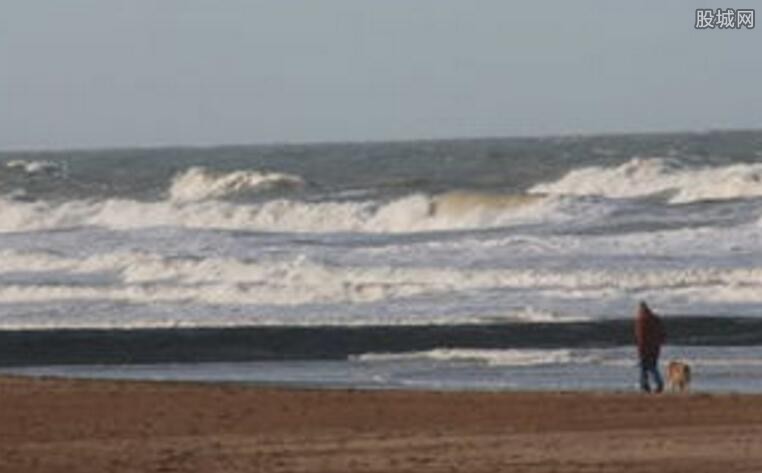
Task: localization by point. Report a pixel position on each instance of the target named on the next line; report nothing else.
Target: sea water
(722, 370)
(465, 232)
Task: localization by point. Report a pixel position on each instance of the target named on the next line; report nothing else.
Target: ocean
(461, 264)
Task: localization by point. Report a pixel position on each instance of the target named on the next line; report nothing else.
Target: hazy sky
(93, 73)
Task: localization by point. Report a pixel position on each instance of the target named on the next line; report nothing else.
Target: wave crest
(641, 177)
(494, 357)
(37, 168)
(413, 213)
(151, 278)
(199, 183)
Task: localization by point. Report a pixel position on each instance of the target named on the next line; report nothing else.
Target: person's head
(643, 309)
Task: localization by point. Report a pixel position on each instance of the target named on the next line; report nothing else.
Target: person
(649, 335)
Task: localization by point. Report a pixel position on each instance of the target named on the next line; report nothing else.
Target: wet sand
(111, 426)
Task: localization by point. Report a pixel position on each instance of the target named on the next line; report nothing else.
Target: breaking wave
(417, 212)
(148, 278)
(490, 357)
(198, 183)
(702, 357)
(648, 176)
(35, 168)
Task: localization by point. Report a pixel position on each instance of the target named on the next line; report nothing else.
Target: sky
(120, 73)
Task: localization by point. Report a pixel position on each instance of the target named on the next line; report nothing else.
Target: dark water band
(75, 346)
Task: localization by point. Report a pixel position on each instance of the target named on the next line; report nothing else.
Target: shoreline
(75, 425)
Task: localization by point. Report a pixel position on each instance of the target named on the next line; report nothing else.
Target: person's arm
(640, 334)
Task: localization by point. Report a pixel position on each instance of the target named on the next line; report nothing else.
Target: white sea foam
(417, 212)
(149, 278)
(647, 176)
(491, 357)
(198, 183)
(36, 167)
(698, 357)
(725, 362)
(532, 314)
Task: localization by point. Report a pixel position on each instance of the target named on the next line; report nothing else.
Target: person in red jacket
(649, 335)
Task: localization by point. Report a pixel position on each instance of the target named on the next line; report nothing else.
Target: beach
(55, 425)
(344, 237)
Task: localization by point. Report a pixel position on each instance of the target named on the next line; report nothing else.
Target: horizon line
(332, 142)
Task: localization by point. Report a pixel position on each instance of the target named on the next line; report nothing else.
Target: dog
(678, 376)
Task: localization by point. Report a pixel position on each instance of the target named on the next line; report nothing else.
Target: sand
(60, 426)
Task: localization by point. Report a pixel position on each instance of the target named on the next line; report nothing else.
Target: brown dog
(678, 376)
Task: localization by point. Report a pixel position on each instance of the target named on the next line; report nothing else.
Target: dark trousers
(650, 367)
